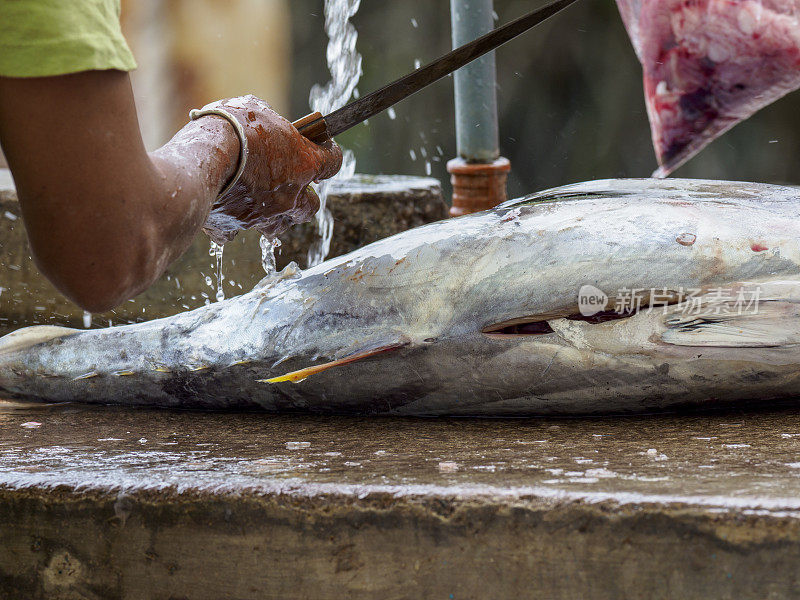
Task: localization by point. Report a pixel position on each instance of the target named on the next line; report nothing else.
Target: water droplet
(216, 250)
(297, 445)
(268, 247)
(391, 112)
(414, 23)
(87, 319)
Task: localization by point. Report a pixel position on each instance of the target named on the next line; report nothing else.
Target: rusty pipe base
(477, 186)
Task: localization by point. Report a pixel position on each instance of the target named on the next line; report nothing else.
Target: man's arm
(104, 217)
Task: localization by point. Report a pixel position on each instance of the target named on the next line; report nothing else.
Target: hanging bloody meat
(709, 64)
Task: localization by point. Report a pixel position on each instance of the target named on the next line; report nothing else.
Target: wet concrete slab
(103, 502)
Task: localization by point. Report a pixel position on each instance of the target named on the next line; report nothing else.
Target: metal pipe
(475, 84)
(479, 174)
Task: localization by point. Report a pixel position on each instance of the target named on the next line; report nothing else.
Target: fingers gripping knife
(319, 128)
(313, 127)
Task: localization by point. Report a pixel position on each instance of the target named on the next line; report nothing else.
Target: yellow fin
(298, 376)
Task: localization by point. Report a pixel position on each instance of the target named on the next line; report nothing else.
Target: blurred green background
(569, 92)
(570, 97)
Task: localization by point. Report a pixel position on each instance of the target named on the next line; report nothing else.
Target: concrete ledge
(365, 208)
(333, 547)
(107, 503)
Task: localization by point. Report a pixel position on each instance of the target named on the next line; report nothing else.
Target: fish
(612, 296)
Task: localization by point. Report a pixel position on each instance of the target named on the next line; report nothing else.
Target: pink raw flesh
(710, 64)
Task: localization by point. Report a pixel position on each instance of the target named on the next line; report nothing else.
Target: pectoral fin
(775, 324)
(298, 376)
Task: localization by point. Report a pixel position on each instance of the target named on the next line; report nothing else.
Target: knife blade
(318, 128)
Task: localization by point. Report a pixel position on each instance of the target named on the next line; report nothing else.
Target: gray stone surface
(365, 208)
(108, 503)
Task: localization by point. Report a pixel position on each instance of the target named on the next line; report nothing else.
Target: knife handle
(313, 127)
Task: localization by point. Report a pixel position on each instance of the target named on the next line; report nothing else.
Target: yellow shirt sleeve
(39, 38)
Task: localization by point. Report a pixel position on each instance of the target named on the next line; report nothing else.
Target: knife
(319, 128)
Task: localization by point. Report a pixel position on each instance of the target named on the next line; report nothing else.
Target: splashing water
(344, 63)
(216, 251)
(268, 247)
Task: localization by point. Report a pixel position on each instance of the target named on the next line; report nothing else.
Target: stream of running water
(344, 63)
(216, 251)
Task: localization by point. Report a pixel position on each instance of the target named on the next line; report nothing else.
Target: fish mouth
(522, 327)
(539, 324)
(536, 325)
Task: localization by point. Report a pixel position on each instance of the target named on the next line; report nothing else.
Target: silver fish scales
(481, 316)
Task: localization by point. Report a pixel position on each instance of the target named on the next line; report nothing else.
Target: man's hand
(273, 193)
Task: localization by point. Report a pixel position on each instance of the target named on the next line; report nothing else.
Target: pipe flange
(477, 186)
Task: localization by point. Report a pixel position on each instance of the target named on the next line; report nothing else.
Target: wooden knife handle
(313, 127)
